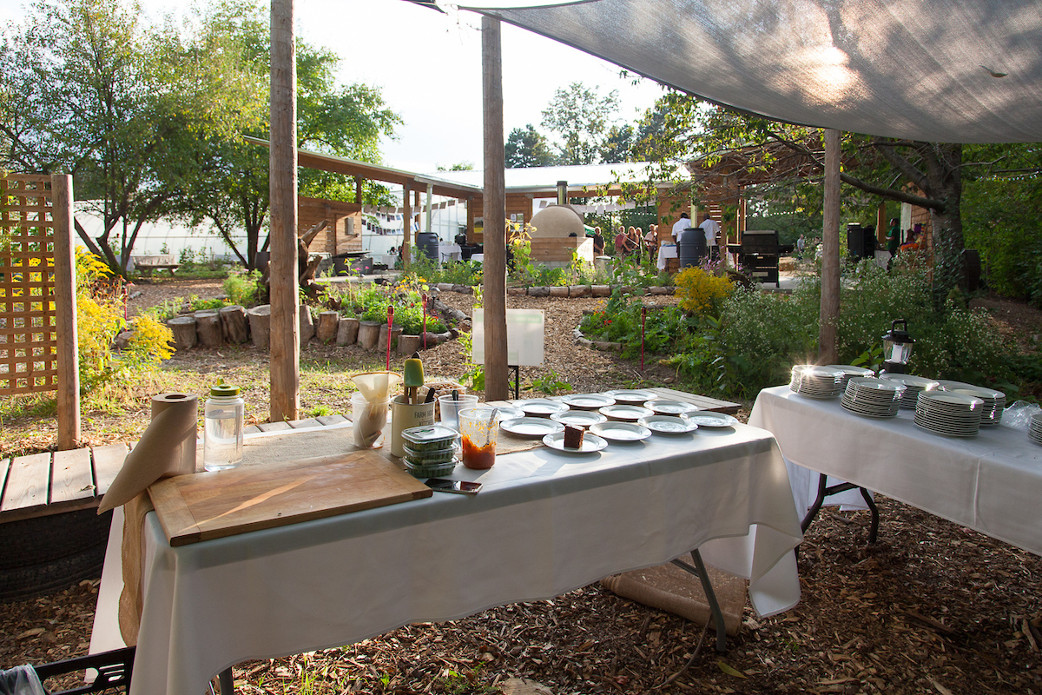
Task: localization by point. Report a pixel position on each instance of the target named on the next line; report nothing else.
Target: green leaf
(729, 670)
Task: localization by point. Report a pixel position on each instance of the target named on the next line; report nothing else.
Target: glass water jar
(223, 425)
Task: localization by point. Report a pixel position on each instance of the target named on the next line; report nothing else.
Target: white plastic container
(223, 425)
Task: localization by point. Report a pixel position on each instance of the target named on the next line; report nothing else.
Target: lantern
(897, 348)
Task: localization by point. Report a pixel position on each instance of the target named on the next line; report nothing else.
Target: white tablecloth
(666, 251)
(545, 523)
(991, 482)
(450, 252)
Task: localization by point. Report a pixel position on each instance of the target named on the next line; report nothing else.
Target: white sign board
(524, 337)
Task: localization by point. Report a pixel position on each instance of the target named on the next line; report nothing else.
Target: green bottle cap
(224, 390)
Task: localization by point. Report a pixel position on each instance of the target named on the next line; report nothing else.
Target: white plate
(508, 413)
(636, 396)
(621, 431)
(591, 443)
(531, 426)
(578, 418)
(625, 412)
(542, 407)
(667, 424)
(588, 401)
(712, 420)
(664, 407)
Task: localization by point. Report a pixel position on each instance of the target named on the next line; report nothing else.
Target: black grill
(759, 254)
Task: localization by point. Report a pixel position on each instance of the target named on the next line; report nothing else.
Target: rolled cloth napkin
(167, 448)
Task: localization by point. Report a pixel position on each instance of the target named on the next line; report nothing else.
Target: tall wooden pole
(65, 314)
(406, 228)
(495, 213)
(285, 327)
(828, 322)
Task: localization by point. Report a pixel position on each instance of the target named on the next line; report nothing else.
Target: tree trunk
(944, 178)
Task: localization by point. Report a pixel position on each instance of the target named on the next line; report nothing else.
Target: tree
(581, 118)
(346, 121)
(924, 174)
(85, 89)
(618, 145)
(527, 147)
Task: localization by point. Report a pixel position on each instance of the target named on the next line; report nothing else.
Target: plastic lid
(224, 390)
(429, 434)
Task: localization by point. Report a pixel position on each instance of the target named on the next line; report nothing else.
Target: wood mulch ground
(931, 608)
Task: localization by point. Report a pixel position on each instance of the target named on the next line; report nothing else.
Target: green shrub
(244, 289)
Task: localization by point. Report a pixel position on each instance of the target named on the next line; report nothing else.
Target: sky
(429, 67)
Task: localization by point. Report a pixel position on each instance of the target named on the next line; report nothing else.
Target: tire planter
(52, 552)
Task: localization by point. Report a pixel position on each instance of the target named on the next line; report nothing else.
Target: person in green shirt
(893, 240)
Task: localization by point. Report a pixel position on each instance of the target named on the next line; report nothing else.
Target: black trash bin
(427, 243)
(691, 246)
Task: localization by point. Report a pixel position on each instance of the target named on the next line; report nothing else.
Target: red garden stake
(424, 296)
(390, 319)
(643, 318)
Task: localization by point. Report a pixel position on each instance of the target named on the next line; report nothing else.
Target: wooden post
(829, 319)
(494, 211)
(285, 331)
(65, 314)
(470, 221)
(881, 223)
(358, 190)
(406, 228)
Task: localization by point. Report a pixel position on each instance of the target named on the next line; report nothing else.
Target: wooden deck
(65, 481)
(51, 483)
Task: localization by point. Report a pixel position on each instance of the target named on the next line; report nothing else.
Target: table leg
(227, 682)
(699, 570)
(825, 491)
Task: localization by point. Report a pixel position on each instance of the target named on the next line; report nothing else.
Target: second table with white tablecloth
(991, 482)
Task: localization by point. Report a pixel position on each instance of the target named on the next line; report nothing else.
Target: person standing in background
(651, 240)
(893, 240)
(680, 225)
(711, 229)
(598, 242)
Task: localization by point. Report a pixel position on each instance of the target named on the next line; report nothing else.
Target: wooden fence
(38, 342)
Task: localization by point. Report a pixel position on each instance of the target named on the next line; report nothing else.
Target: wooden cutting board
(203, 506)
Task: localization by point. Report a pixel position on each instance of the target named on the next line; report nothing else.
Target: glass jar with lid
(223, 428)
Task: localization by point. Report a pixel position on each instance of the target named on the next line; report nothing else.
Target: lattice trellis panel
(28, 333)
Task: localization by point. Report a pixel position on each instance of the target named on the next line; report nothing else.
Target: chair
(113, 668)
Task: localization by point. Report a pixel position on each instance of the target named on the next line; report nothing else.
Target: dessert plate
(667, 424)
(531, 426)
(591, 443)
(621, 431)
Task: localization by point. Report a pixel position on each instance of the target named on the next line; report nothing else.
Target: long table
(544, 524)
(991, 483)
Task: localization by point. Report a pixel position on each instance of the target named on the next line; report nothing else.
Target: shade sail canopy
(934, 70)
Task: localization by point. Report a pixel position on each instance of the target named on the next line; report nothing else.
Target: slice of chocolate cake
(573, 437)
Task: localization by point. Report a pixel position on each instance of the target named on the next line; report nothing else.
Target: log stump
(369, 333)
(600, 290)
(183, 328)
(408, 344)
(307, 324)
(381, 345)
(347, 331)
(233, 324)
(579, 291)
(328, 325)
(208, 328)
(559, 292)
(260, 325)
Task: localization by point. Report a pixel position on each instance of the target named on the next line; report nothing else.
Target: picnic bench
(146, 265)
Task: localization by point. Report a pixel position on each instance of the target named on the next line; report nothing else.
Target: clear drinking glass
(223, 417)
(450, 409)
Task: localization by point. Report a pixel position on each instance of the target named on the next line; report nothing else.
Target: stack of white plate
(816, 382)
(948, 413)
(1035, 429)
(913, 386)
(994, 401)
(871, 397)
(850, 371)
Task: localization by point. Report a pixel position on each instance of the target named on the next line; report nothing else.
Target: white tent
(934, 70)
